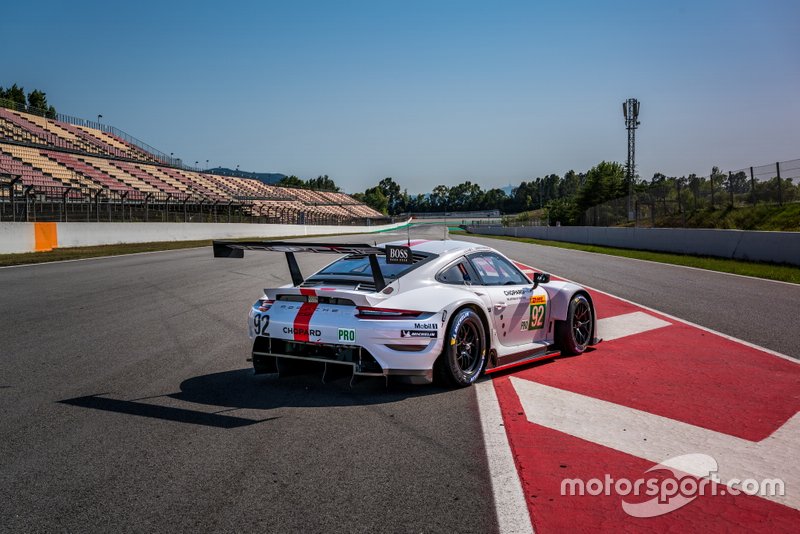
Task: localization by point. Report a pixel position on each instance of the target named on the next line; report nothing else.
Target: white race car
(414, 309)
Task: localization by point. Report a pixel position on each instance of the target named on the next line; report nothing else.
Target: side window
(496, 271)
(457, 273)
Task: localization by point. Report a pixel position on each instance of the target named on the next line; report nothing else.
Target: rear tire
(464, 354)
(575, 333)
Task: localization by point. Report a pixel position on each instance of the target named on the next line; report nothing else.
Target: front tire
(464, 354)
(575, 334)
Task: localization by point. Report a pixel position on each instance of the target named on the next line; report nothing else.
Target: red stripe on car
(303, 319)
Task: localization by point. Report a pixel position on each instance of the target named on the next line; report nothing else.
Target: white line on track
(684, 321)
(657, 438)
(510, 504)
(628, 324)
(509, 499)
(701, 327)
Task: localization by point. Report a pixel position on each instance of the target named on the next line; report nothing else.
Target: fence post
(711, 180)
(730, 186)
(64, 203)
(780, 185)
(752, 187)
(12, 199)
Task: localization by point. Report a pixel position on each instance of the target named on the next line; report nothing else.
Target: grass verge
(783, 273)
(76, 253)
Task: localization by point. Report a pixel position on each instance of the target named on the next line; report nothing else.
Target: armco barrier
(774, 247)
(29, 237)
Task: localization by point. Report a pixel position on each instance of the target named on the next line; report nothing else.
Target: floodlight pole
(630, 110)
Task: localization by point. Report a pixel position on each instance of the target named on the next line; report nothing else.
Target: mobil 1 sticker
(419, 333)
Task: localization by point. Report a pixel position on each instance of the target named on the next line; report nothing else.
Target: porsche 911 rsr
(416, 310)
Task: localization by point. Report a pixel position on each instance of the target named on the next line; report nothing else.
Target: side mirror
(540, 278)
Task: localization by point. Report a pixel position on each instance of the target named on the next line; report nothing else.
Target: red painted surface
(679, 371)
(303, 318)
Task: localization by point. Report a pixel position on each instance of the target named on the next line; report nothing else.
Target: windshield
(359, 266)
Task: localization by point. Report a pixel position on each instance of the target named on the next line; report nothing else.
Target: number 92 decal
(260, 324)
(537, 316)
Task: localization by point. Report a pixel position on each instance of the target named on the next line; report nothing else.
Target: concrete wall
(775, 247)
(16, 237)
(21, 237)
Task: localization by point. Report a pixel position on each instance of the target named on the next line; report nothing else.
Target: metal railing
(28, 203)
(77, 121)
(669, 202)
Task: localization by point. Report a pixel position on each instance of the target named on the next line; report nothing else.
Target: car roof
(440, 246)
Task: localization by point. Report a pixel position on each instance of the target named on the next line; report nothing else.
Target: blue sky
(427, 92)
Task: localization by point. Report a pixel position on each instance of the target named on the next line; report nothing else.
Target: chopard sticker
(302, 331)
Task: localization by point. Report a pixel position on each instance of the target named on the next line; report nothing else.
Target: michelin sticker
(419, 333)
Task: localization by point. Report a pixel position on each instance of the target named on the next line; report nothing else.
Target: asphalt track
(126, 402)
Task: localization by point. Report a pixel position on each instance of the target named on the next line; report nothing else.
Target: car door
(519, 312)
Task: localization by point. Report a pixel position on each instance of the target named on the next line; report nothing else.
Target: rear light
(263, 305)
(366, 312)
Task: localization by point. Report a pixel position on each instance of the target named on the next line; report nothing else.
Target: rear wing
(235, 249)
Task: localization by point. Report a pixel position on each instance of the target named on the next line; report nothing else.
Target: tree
(464, 197)
(15, 97)
(605, 181)
(292, 181)
(716, 178)
(570, 185)
(322, 183)
(440, 197)
(375, 199)
(391, 191)
(738, 182)
(694, 185)
(562, 210)
(680, 185)
(36, 101)
(494, 199)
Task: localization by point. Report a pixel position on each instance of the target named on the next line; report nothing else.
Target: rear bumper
(405, 348)
(266, 361)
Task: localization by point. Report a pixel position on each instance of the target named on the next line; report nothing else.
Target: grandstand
(69, 169)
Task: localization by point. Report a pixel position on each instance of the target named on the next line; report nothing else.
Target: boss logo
(398, 254)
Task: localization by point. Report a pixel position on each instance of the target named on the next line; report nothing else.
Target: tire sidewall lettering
(459, 319)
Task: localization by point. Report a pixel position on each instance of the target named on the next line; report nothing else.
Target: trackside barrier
(30, 237)
(773, 247)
